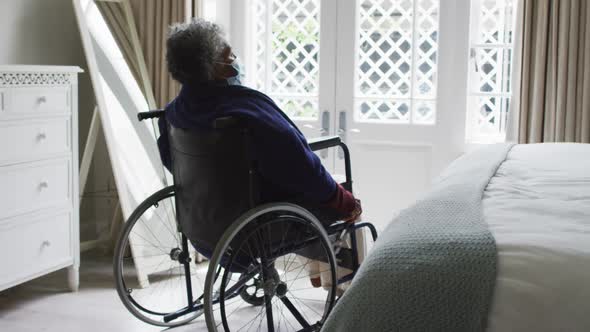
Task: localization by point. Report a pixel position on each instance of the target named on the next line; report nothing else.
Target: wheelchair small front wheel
(154, 266)
(277, 244)
(253, 291)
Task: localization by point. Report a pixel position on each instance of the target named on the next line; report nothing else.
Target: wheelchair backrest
(212, 177)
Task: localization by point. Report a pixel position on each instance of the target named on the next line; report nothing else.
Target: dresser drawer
(34, 139)
(34, 101)
(34, 186)
(29, 246)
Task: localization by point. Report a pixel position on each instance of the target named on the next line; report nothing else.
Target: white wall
(219, 12)
(45, 32)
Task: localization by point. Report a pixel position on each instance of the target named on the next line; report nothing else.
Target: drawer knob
(41, 136)
(43, 185)
(41, 100)
(46, 243)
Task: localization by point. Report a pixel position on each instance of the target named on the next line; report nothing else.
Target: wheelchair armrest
(324, 142)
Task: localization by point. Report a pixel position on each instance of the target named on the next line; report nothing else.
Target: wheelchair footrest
(344, 258)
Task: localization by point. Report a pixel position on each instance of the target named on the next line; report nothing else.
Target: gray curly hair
(192, 50)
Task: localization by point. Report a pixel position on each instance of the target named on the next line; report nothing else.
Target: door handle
(341, 131)
(325, 131)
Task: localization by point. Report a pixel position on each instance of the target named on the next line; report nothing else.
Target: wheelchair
(259, 256)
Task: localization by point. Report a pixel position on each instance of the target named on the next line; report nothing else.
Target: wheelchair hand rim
(235, 228)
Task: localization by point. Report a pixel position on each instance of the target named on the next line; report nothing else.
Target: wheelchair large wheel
(273, 245)
(155, 271)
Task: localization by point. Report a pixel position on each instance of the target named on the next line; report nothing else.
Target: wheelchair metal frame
(183, 256)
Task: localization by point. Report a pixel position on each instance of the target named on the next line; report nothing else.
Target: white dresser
(39, 214)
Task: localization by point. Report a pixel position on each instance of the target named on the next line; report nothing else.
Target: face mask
(237, 66)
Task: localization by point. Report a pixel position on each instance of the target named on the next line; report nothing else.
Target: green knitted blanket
(434, 267)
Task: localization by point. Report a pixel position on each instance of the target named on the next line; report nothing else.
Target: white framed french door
(388, 76)
(400, 96)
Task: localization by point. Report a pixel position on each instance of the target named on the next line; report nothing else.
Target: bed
(502, 243)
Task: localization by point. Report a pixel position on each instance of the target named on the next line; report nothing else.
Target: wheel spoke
(305, 304)
(165, 283)
(285, 302)
(295, 312)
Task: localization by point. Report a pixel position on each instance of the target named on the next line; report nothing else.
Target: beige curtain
(153, 17)
(140, 28)
(117, 16)
(554, 100)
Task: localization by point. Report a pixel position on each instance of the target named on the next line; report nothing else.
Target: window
(397, 61)
(368, 71)
(287, 35)
(490, 68)
(391, 72)
(396, 58)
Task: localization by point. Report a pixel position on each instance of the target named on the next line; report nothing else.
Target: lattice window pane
(490, 69)
(492, 114)
(301, 108)
(287, 54)
(397, 61)
(495, 21)
(492, 72)
(426, 48)
(424, 112)
(261, 40)
(384, 111)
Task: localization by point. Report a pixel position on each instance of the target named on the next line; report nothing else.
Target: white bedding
(538, 209)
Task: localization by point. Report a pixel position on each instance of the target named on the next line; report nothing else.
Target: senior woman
(200, 58)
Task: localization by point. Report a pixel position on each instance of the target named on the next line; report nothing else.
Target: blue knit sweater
(288, 167)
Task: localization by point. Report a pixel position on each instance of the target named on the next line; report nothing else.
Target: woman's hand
(355, 215)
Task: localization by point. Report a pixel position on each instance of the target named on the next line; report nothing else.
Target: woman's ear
(226, 55)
